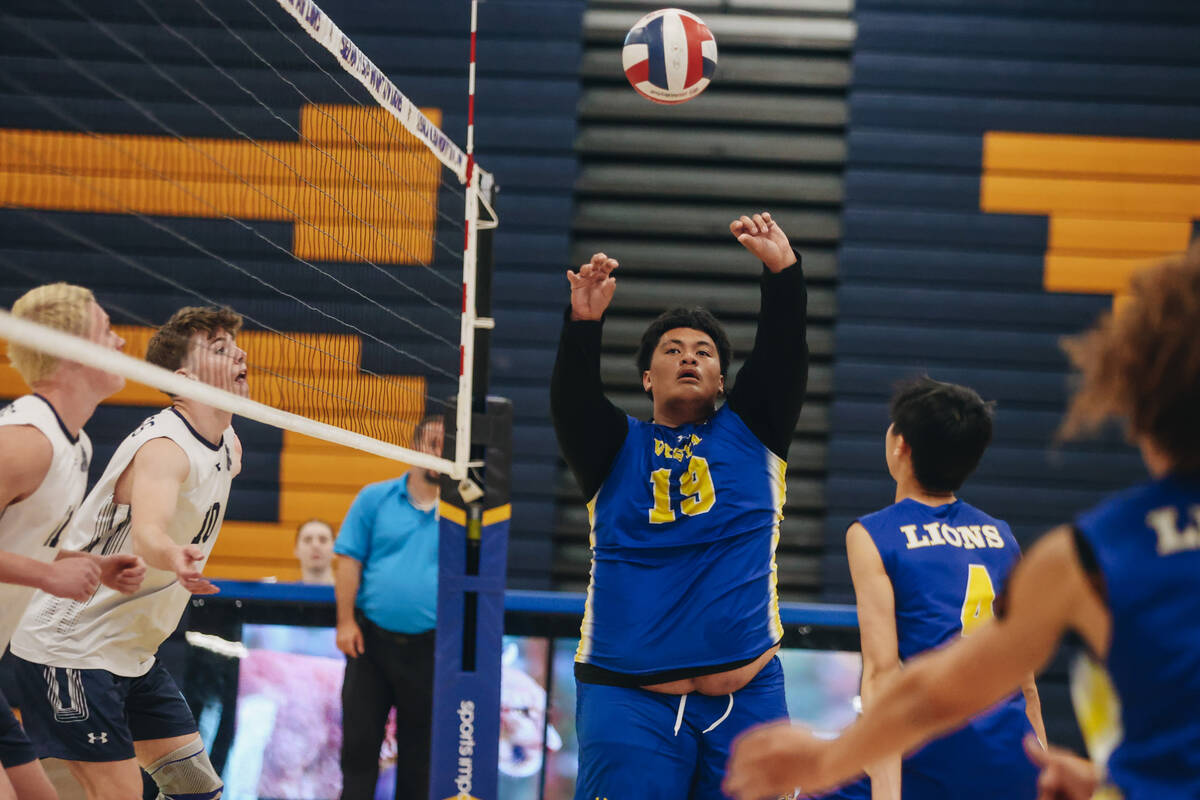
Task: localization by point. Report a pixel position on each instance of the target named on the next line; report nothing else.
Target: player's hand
(123, 572)
(773, 760)
(763, 237)
(350, 639)
(186, 562)
(74, 578)
(592, 287)
(1064, 775)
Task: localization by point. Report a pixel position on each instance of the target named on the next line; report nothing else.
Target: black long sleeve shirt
(767, 393)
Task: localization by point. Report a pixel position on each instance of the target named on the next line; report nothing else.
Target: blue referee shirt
(397, 545)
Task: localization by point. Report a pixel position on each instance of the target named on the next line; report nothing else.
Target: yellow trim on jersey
(453, 513)
(497, 514)
(777, 469)
(584, 651)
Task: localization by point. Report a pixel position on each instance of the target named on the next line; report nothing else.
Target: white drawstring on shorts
(683, 704)
(724, 717)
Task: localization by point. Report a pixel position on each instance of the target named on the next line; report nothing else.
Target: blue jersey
(946, 564)
(1146, 543)
(683, 534)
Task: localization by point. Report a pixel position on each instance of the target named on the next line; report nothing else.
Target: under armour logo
(98, 738)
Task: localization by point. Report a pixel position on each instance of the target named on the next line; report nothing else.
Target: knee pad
(186, 773)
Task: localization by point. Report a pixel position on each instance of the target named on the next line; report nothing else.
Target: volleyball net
(244, 153)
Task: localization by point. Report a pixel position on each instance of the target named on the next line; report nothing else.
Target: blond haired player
(44, 457)
(94, 694)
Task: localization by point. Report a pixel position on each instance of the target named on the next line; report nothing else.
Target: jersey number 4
(695, 484)
(977, 605)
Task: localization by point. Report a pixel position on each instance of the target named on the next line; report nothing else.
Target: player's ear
(646, 380)
(720, 385)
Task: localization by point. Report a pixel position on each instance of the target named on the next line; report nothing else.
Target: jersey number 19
(695, 484)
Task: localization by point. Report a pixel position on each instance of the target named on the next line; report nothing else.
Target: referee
(386, 587)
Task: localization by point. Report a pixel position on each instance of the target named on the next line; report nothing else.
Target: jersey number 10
(695, 484)
(209, 525)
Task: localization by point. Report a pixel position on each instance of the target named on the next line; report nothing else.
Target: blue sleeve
(354, 538)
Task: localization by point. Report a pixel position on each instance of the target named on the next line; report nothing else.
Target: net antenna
(246, 153)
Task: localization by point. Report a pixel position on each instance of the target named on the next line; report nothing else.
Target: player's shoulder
(28, 451)
(984, 517)
(13, 412)
(32, 413)
(160, 423)
(728, 418)
(871, 522)
(1132, 502)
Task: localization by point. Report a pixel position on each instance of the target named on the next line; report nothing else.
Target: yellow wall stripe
(1115, 204)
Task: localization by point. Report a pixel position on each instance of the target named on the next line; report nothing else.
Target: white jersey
(117, 632)
(34, 526)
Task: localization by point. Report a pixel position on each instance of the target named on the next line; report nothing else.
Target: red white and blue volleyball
(669, 56)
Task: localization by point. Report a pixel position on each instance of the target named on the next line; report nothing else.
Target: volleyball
(669, 56)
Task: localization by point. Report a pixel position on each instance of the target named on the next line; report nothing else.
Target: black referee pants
(395, 669)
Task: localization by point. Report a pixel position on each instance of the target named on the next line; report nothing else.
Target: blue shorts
(635, 743)
(983, 761)
(15, 747)
(94, 715)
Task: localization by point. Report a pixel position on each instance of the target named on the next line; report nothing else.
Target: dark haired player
(677, 648)
(926, 571)
(1123, 577)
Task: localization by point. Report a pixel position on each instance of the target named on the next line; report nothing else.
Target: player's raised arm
(592, 287)
(763, 237)
(153, 482)
(589, 428)
(770, 388)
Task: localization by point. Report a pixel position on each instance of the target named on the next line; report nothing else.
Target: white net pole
(462, 446)
(72, 348)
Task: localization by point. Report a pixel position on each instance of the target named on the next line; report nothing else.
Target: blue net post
(472, 561)
(471, 570)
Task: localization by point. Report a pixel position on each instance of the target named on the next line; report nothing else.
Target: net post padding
(72, 348)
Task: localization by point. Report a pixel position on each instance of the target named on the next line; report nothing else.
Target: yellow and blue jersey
(1145, 545)
(946, 564)
(684, 521)
(683, 533)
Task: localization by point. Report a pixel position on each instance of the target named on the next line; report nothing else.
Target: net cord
(322, 29)
(73, 348)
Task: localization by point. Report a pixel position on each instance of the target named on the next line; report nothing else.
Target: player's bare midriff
(718, 683)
